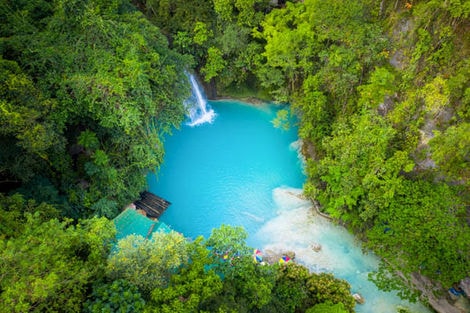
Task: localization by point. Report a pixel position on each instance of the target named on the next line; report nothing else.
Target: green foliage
(24, 123)
(214, 65)
(251, 287)
(86, 97)
(451, 151)
(245, 12)
(436, 96)
(148, 264)
(224, 9)
(117, 296)
(191, 287)
(327, 308)
(428, 219)
(49, 265)
(189, 25)
(458, 85)
(289, 292)
(361, 172)
(216, 33)
(247, 286)
(286, 39)
(381, 84)
(329, 40)
(87, 89)
(386, 279)
(88, 140)
(312, 106)
(229, 240)
(14, 210)
(177, 15)
(325, 288)
(201, 33)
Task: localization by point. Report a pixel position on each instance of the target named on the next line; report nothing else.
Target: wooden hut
(153, 205)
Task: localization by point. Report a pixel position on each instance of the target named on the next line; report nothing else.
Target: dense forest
(89, 89)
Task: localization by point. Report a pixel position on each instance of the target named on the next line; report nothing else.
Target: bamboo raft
(153, 205)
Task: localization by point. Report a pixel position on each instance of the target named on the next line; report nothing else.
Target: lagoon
(241, 170)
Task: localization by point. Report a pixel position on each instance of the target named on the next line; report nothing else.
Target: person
(456, 290)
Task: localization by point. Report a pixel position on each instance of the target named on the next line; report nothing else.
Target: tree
(381, 84)
(287, 37)
(116, 296)
(298, 290)
(49, 265)
(224, 9)
(429, 219)
(24, 124)
(324, 288)
(337, 44)
(214, 64)
(148, 264)
(14, 210)
(246, 286)
(361, 171)
(228, 243)
(192, 287)
(327, 308)
(312, 106)
(86, 97)
(289, 291)
(451, 151)
(224, 278)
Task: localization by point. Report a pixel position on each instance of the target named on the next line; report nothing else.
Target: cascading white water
(198, 110)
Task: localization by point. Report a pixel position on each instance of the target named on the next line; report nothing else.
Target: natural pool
(240, 170)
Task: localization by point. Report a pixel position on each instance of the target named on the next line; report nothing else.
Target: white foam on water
(297, 147)
(287, 198)
(199, 119)
(296, 228)
(253, 217)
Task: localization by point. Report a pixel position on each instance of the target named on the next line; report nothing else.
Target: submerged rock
(359, 298)
(316, 247)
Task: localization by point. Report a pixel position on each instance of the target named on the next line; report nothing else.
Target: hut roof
(153, 205)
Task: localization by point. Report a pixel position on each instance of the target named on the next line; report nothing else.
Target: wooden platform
(153, 205)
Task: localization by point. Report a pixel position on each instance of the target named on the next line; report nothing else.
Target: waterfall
(199, 112)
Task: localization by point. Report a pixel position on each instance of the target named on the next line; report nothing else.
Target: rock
(465, 285)
(462, 304)
(359, 298)
(439, 304)
(290, 254)
(316, 247)
(272, 257)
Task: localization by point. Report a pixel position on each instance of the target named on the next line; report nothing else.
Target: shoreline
(254, 101)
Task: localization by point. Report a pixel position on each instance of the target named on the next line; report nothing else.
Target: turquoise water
(240, 170)
(225, 172)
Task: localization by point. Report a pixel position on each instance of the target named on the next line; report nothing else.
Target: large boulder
(271, 257)
(465, 285)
